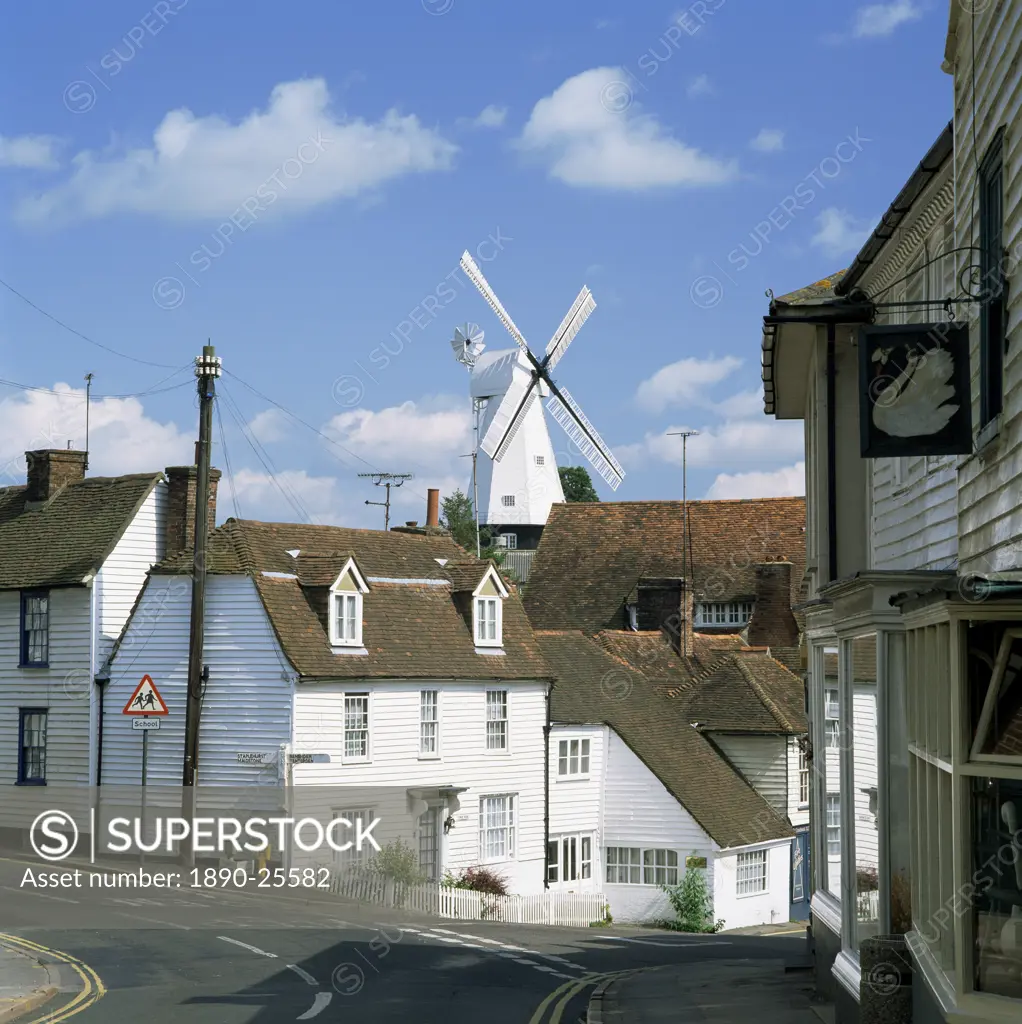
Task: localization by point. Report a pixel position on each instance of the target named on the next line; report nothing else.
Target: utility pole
(388, 480)
(207, 369)
(88, 395)
(685, 435)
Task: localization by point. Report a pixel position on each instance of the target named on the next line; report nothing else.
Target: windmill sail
(570, 326)
(565, 410)
(475, 275)
(509, 414)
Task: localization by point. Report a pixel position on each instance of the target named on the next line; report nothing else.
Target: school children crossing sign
(146, 700)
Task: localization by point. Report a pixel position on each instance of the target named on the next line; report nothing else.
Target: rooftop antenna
(468, 346)
(88, 394)
(686, 539)
(387, 480)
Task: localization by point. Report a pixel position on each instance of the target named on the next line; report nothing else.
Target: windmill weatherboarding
(523, 377)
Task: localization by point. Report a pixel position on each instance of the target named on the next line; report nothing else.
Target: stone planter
(885, 985)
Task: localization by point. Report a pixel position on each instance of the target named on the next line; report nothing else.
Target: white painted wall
(797, 811)
(769, 907)
(464, 761)
(247, 706)
(763, 760)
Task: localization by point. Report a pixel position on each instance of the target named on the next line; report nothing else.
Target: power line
(154, 390)
(227, 461)
(78, 334)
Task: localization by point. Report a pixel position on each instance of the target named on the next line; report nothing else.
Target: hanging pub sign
(914, 395)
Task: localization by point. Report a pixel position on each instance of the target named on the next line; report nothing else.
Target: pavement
(25, 983)
(710, 992)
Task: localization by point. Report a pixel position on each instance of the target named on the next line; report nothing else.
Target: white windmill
(516, 472)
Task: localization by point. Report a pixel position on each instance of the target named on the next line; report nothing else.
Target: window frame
(755, 858)
(637, 868)
(337, 594)
(579, 756)
(508, 501)
(803, 778)
(478, 620)
(505, 747)
(353, 858)
(510, 828)
(830, 827)
(724, 613)
(559, 844)
(365, 758)
(23, 635)
(434, 754)
(993, 305)
(23, 713)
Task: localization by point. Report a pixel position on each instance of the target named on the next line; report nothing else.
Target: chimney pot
(412, 522)
(50, 470)
(433, 507)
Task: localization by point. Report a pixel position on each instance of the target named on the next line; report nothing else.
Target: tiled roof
(591, 556)
(594, 687)
(818, 291)
(464, 575)
(70, 536)
(411, 629)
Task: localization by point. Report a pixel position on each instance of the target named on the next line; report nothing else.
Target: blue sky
(297, 185)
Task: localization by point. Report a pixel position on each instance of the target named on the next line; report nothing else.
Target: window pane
(827, 763)
(996, 692)
(584, 763)
(33, 746)
(552, 850)
(865, 853)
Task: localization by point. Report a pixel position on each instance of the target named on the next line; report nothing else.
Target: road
(167, 956)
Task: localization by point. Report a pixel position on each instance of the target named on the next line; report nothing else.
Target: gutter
(546, 792)
(831, 457)
(928, 168)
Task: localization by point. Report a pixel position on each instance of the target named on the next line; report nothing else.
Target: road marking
(93, 988)
(665, 945)
(322, 1001)
(245, 945)
(152, 920)
(41, 895)
(507, 945)
(303, 974)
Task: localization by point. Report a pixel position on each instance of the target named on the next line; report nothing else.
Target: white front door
(570, 862)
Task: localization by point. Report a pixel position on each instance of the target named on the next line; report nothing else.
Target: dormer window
(488, 610)
(346, 607)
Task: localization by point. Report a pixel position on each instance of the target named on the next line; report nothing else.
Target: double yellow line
(567, 992)
(93, 988)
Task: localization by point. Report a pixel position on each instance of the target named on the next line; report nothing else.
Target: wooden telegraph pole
(207, 369)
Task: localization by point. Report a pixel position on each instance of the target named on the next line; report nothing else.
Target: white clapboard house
(914, 580)
(388, 673)
(673, 749)
(74, 553)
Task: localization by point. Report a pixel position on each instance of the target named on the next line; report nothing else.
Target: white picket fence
(868, 905)
(568, 909)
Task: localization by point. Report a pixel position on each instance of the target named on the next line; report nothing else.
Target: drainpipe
(831, 457)
(546, 793)
(102, 684)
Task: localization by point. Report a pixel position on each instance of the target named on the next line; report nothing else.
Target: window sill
(356, 760)
(846, 970)
(348, 649)
(30, 782)
(749, 895)
(987, 436)
(492, 649)
(429, 757)
(497, 753)
(574, 778)
(803, 807)
(34, 664)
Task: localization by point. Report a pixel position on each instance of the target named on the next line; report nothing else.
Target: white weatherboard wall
(769, 907)
(640, 812)
(763, 762)
(247, 706)
(464, 761)
(576, 803)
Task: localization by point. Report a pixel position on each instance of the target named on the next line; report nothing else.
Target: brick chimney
(50, 470)
(665, 604)
(181, 483)
(433, 507)
(772, 624)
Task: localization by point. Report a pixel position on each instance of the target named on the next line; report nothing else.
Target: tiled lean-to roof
(417, 620)
(592, 555)
(595, 687)
(71, 535)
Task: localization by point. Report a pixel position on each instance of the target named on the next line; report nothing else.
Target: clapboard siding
(247, 706)
(464, 760)
(64, 688)
(770, 907)
(763, 760)
(124, 572)
(990, 513)
(640, 812)
(864, 751)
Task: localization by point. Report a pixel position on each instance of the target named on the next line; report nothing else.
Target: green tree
(457, 517)
(576, 484)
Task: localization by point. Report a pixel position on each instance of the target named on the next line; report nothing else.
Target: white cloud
(489, 117)
(36, 152)
(261, 496)
(741, 405)
(432, 433)
(769, 140)
(738, 443)
(699, 86)
(839, 233)
(605, 23)
(294, 155)
(122, 439)
(685, 381)
(788, 481)
(590, 133)
(269, 425)
(883, 19)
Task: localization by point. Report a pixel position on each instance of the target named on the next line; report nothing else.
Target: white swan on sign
(914, 403)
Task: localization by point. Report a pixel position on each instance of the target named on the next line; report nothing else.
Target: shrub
(867, 879)
(399, 862)
(692, 903)
(478, 879)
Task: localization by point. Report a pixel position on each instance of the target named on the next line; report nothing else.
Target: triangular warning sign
(146, 700)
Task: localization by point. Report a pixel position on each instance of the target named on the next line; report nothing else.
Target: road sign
(146, 700)
(251, 757)
(147, 724)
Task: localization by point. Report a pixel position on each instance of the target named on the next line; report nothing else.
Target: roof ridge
(764, 697)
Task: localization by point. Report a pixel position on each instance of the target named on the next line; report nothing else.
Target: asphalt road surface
(185, 956)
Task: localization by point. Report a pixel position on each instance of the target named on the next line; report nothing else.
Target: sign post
(143, 703)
